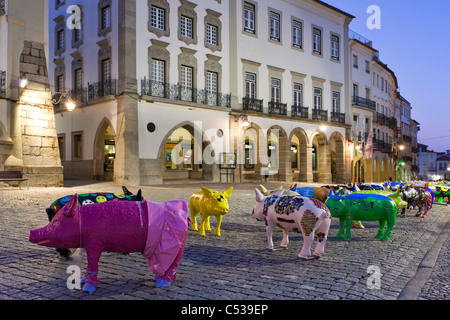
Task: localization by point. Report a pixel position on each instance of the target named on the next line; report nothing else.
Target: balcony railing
(277, 108)
(300, 112)
(365, 103)
(252, 104)
(2, 7)
(318, 114)
(177, 92)
(101, 89)
(385, 120)
(338, 117)
(382, 146)
(2, 82)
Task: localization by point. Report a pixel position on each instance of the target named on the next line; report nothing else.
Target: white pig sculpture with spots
(294, 213)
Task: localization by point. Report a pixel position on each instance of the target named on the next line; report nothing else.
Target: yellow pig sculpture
(209, 203)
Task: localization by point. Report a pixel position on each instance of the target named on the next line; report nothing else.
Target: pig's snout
(33, 236)
(37, 237)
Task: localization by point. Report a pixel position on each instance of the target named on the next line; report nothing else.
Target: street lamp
(70, 104)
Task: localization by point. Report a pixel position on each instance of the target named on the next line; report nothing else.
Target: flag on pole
(369, 145)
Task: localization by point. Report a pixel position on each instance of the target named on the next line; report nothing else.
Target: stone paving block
(235, 266)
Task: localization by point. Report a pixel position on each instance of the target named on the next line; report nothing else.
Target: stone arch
(189, 150)
(299, 140)
(104, 151)
(337, 158)
(276, 134)
(384, 169)
(369, 171)
(321, 153)
(376, 170)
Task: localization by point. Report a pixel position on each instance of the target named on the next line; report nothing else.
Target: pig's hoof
(89, 288)
(308, 258)
(162, 283)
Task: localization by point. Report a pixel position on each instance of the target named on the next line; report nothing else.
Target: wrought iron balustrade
(385, 120)
(2, 82)
(382, 146)
(365, 103)
(338, 117)
(300, 112)
(177, 92)
(319, 114)
(252, 104)
(277, 108)
(101, 89)
(2, 7)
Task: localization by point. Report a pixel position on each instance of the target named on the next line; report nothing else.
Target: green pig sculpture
(396, 196)
(364, 207)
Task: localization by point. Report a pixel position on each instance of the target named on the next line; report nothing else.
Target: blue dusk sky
(414, 41)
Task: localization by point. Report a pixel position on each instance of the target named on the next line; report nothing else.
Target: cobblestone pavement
(234, 266)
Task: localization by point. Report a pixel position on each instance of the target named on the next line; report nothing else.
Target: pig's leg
(194, 213)
(219, 223)
(341, 231)
(171, 273)
(93, 257)
(348, 228)
(208, 224)
(285, 242)
(307, 243)
(380, 233)
(203, 220)
(269, 232)
(322, 236)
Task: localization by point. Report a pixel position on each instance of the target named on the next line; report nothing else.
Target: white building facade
(164, 88)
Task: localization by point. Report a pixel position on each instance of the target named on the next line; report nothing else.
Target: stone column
(127, 165)
(34, 128)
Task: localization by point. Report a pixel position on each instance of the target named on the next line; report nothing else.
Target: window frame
(335, 52)
(249, 17)
(274, 25)
(317, 32)
(294, 44)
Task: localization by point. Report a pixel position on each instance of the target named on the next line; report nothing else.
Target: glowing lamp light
(70, 106)
(23, 83)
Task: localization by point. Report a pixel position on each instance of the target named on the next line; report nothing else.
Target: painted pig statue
(209, 203)
(441, 192)
(364, 207)
(284, 192)
(301, 214)
(156, 230)
(88, 199)
(417, 197)
(313, 192)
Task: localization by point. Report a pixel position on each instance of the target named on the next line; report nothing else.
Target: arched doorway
(298, 151)
(279, 153)
(368, 164)
(320, 158)
(376, 170)
(182, 154)
(337, 158)
(104, 152)
(384, 169)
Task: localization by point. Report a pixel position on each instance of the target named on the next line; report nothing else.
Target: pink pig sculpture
(156, 230)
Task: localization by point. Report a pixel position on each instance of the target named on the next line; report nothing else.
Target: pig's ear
(278, 192)
(139, 196)
(263, 189)
(71, 208)
(227, 193)
(259, 196)
(207, 192)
